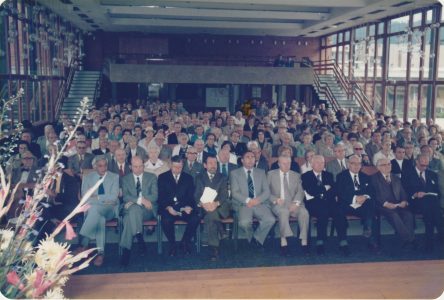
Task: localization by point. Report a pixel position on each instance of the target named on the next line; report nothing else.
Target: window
(426, 100)
(417, 19)
(371, 30)
(429, 55)
(360, 33)
(381, 28)
(413, 102)
(429, 16)
(439, 110)
(331, 40)
(347, 36)
(399, 109)
(346, 59)
(390, 99)
(378, 58)
(398, 24)
(415, 59)
(340, 37)
(397, 58)
(377, 100)
(441, 53)
(371, 61)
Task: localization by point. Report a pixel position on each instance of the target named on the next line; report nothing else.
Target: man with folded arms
(213, 210)
(139, 190)
(287, 197)
(424, 196)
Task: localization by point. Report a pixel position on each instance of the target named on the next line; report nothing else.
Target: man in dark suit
(213, 210)
(239, 147)
(103, 147)
(173, 137)
(224, 166)
(176, 202)
(424, 197)
(190, 165)
(391, 200)
(82, 160)
(139, 190)
(320, 199)
(120, 165)
(399, 163)
(355, 197)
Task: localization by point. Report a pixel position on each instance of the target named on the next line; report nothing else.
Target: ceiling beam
(149, 12)
(204, 24)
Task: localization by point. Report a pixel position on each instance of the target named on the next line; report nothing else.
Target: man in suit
(320, 198)
(260, 161)
(224, 166)
(135, 150)
(165, 151)
(201, 155)
(120, 166)
(338, 164)
(191, 166)
(82, 160)
(239, 147)
(113, 145)
(139, 190)
(103, 147)
(374, 146)
(44, 140)
(33, 147)
(422, 187)
(251, 195)
(391, 200)
(176, 202)
(104, 204)
(218, 208)
(399, 163)
(173, 137)
(355, 197)
(287, 197)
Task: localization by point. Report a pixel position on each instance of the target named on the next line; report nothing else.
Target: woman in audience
(154, 165)
(116, 134)
(149, 136)
(325, 146)
(265, 146)
(307, 164)
(306, 145)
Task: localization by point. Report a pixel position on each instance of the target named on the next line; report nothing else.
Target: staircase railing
(353, 90)
(97, 89)
(325, 89)
(65, 85)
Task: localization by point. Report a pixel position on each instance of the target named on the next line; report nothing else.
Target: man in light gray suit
(103, 203)
(287, 197)
(251, 195)
(338, 164)
(139, 191)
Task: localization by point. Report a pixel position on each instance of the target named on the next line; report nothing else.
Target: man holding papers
(422, 188)
(392, 202)
(320, 198)
(212, 196)
(355, 198)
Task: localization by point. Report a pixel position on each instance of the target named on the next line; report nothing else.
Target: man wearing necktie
(81, 160)
(287, 197)
(319, 198)
(391, 200)
(139, 190)
(224, 165)
(120, 165)
(191, 166)
(176, 202)
(217, 209)
(338, 164)
(251, 195)
(104, 206)
(356, 198)
(424, 195)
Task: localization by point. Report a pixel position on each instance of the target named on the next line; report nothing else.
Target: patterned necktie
(421, 178)
(138, 188)
(80, 161)
(121, 173)
(286, 188)
(211, 177)
(176, 178)
(319, 179)
(356, 183)
(250, 185)
(224, 170)
(101, 190)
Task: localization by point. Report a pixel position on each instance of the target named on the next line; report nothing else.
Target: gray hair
(99, 158)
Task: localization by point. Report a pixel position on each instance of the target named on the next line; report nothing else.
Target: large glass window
(399, 108)
(415, 58)
(377, 100)
(398, 24)
(429, 53)
(439, 110)
(397, 60)
(417, 19)
(389, 99)
(371, 58)
(359, 57)
(379, 58)
(360, 33)
(346, 59)
(413, 102)
(441, 52)
(426, 100)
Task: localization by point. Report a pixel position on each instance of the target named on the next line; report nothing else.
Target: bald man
(139, 190)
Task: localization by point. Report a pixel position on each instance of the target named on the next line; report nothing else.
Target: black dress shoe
(141, 244)
(320, 249)
(214, 254)
(124, 260)
(284, 251)
(305, 250)
(256, 245)
(345, 250)
(172, 252)
(150, 230)
(186, 248)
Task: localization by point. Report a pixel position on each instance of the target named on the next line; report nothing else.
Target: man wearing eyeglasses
(359, 151)
(191, 166)
(422, 188)
(392, 202)
(82, 160)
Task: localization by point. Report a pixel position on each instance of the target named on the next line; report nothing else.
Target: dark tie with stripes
(250, 186)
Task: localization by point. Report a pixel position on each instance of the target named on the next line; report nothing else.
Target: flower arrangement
(42, 271)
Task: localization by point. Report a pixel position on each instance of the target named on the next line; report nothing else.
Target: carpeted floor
(247, 256)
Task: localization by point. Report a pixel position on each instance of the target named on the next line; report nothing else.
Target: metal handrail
(65, 85)
(97, 89)
(327, 91)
